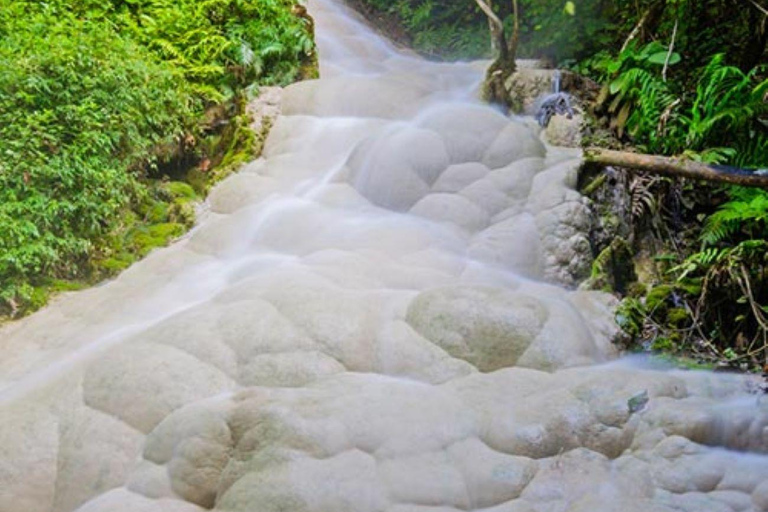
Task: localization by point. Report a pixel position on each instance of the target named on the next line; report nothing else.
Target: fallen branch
(677, 167)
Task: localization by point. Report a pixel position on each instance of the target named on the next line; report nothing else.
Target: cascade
(379, 314)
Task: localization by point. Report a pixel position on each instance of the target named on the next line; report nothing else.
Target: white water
(362, 322)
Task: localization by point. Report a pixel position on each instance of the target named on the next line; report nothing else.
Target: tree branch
(759, 7)
(635, 31)
(669, 53)
(679, 168)
(488, 11)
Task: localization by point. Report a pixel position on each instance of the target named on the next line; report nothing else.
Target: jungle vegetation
(101, 102)
(683, 78)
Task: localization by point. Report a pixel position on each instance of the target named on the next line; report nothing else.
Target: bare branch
(759, 7)
(635, 31)
(488, 10)
(669, 53)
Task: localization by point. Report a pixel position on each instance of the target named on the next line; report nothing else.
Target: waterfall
(381, 313)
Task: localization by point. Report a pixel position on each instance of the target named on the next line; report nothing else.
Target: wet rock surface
(369, 320)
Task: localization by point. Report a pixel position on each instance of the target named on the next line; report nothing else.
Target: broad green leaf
(661, 57)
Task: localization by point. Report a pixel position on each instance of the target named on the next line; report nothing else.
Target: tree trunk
(676, 167)
(495, 31)
(494, 88)
(494, 23)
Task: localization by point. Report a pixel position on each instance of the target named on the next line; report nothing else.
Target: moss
(630, 316)
(61, 285)
(198, 179)
(145, 239)
(612, 268)
(38, 298)
(637, 289)
(663, 344)
(157, 213)
(179, 189)
(116, 263)
(677, 317)
(310, 67)
(166, 231)
(686, 363)
(656, 300)
(182, 211)
(242, 145)
(41, 294)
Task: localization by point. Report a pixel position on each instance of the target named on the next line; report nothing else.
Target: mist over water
(377, 315)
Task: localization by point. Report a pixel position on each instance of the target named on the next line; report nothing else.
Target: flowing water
(371, 317)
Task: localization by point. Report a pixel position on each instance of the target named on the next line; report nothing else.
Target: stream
(379, 314)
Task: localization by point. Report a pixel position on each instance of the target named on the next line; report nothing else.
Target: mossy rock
(182, 211)
(116, 263)
(179, 189)
(637, 289)
(663, 344)
(656, 300)
(146, 239)
(612, 269)
(677, 317)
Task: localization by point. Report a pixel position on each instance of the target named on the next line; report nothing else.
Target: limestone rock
(489, 328)
(367, 322)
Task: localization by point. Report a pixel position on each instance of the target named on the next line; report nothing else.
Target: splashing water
(374, 316)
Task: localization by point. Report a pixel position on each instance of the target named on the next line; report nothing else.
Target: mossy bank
(115, 119)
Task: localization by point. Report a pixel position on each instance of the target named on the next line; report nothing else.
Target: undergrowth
(99, 101)
(708, 294)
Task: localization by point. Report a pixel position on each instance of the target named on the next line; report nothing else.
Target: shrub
(79, 107)
(92, 95)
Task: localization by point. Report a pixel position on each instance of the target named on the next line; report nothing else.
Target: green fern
(728, 101)
(746, 212)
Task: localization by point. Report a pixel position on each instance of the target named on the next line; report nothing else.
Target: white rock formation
(363, 323)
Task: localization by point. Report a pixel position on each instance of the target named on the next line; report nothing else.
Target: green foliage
(630, 316)
(562, 31)
(79, 107)
(90, 91)
(723, 284)
(727, 110)
(707, 109)
(452, 29)
(635, 96)
(745, 214)
(440, 28)
(220, 46)
(687, 82)
(720, 121)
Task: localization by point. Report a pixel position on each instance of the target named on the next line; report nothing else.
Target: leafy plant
(94, 95)
(726, 112)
